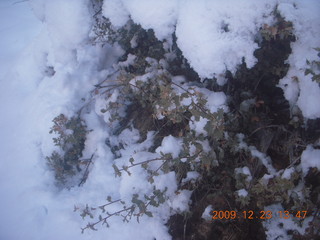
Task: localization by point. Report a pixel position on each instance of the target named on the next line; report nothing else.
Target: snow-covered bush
(165, 112)
(66, 161)
(190, 128)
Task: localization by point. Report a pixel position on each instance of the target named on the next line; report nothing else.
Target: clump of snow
(115, 11)
(245, 171)
(150, 14)
(310, 158)
(181, 201)
(198, 126)
(309, 98)
(206, 215)
(170, 145)
(162, 181)
(177, 200)
(265, 160)
(287, 173)
(215, 100)
(221, 80)
(129, 137)
(265, 179)
(242, 193)
(130, 61)
(191, 176)
(242, 144)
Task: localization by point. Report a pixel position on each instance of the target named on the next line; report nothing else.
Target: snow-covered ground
(47, 65)
(31, 96)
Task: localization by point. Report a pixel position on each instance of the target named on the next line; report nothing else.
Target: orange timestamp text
(251, 215)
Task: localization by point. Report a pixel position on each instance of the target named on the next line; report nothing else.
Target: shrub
(71, 135)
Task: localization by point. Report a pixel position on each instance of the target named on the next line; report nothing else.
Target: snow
(49, 66)
(242, 193)
(287, 173)
(265, 160)
(265, 179)
(115, 11)
(11, 43)
(310, 158)
(299, 89)
(181, 202)
(198, 126)
(191, 176)
(245, 171)
(213, 36)
(215, 100)
(68, 30)
(150, 14)
(206, 215)
(171, 145)
(31, 206)
(278, 228)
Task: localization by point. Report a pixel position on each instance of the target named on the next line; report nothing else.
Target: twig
(293, 162)
(109, 203)
(107, 78)
(104, 220)
(258, 129)
(125, 168)
(100, 10)
(140, 163)
(86, 172)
